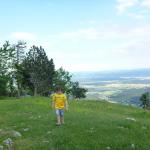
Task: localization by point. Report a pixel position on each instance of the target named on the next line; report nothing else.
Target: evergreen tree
(40, 70)
(145, 100)
(3, 85)
(19, 57)
(7, 54)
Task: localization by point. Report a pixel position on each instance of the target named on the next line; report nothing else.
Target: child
(59, 102)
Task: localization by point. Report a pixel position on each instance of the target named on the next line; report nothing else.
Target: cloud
(88, 33)
(96, 47)
(26, 36)
(108, 32)
(145, 3)
(134, 43)
(112, 32)
(138, 16)
(121, 51)
(88, 22)
(123, 5)
(138, 9)
(115, 47)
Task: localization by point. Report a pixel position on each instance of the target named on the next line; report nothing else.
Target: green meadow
(89, 125)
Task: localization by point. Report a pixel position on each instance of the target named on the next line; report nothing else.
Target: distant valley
(125, 86)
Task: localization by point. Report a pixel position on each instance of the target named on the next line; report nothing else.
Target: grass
(90, 125)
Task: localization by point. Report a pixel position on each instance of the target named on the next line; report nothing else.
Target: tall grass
(89, 125)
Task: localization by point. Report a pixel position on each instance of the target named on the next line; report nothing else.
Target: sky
(82, 35)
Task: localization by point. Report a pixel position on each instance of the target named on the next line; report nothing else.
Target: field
(89, 125)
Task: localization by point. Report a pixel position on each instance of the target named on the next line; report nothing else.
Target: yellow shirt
(59, 100)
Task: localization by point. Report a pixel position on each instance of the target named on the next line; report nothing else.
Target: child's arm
(53, 101)
(66, 105)
(53, 104)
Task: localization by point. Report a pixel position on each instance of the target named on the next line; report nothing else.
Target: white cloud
(92, 21)
(89, 33)
(112, 44)
(26, 36)
(108, 33)
(47, 45)
(121, 51)
(88, 22)
(145, 3)
(134, 33)
(134, 44)
(30, 38)
(123, 5)
(138, 16)
(138, 9)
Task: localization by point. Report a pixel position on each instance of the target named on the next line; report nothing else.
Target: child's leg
(62, 116)
(58, 119)
(58, 116)
(62, 119)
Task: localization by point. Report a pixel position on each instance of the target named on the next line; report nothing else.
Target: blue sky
(82, 35)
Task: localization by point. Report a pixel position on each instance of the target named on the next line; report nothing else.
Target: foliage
(7, 54)
(6, 58)
(62, 78)
(18, 59)
(3, 85)
(145, 100)
(40, 70)
(33, 73)
(78, 92)
(10, 63)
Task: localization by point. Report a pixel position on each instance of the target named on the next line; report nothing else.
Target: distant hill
(107, 75)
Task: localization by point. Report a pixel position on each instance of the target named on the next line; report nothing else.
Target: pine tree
(145, 100)
(19, 57)
(7, 54)
(40, 70)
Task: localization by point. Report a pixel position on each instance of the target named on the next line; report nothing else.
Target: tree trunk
(35, 90)
(18, 91)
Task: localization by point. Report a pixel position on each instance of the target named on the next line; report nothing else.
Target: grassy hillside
(90, 125)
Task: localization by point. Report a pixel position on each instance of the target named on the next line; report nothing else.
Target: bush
(3, 86)
(145, 100)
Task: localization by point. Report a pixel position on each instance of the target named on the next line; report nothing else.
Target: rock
(8, 142)
(91, 130)
(121, 127)
(49, 132)
(45, 141)
(132, 146)
(108, 148)
(26, 129)
(144, 128)
(1, 147)
(31, 117)
(132, 119)
(16, 134)
(1, 131)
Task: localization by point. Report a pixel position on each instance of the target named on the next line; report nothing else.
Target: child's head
(58, 90)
